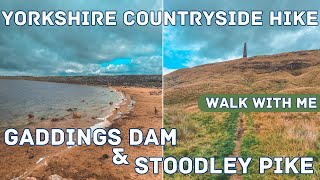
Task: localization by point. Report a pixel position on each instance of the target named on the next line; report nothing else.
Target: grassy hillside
(296, 72)
(260, 134)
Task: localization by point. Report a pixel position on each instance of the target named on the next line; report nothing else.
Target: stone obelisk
(245, 55)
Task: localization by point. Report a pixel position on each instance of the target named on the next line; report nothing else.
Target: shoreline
(105, 123)
(61, 115)
(39, 162)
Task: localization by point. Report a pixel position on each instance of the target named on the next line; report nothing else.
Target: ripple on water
(45, 100)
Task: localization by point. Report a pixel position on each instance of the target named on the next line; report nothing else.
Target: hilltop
(293, 72)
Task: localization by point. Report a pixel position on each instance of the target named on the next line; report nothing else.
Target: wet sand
(88, 162)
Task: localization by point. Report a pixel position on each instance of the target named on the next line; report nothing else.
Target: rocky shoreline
(154, 81)
(88, 162)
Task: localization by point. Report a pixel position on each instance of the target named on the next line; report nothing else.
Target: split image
(151, 77)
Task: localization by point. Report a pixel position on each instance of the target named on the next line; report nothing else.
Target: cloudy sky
(40, 50)
(191, 46)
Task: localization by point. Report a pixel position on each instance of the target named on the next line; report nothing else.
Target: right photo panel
(239, 80)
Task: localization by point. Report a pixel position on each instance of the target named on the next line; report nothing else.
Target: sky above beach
(80, 50)
(189, 46)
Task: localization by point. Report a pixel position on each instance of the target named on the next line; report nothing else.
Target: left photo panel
(74, 79)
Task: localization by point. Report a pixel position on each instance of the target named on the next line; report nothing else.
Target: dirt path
(237, 149)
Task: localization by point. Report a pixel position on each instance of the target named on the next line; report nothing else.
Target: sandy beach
(89, 162)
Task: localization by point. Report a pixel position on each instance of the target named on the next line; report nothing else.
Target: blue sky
(138, 50)
(189, 46)
(84, 50)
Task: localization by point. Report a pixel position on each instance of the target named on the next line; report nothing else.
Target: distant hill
(118, 80)
(293, 72)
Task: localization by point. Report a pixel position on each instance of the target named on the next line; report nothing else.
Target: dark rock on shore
(104, 156)
(30, 116)
(31, 156)
(72, 109)
(57, 119)
(54, 119)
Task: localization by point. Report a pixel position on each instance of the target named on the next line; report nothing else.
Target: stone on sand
(55, 177)
(76, 115)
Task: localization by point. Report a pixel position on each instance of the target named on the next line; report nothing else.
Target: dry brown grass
(297, 72)
(289, 134)
(279, 134)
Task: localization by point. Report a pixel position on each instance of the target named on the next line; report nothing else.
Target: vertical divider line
(162, 74)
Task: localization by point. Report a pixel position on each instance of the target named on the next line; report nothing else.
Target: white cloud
(167, 71)
(284, 40)
(196, 61)
(115, 68)
(140, 65)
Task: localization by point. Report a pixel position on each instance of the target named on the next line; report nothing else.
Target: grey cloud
(154, 64)
(223, 42)
(73, 44)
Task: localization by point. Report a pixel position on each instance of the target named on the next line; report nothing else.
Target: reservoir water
(45, 100)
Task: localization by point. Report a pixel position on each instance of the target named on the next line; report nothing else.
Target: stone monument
(245, 55)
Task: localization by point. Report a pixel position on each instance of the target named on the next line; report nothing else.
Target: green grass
(251, 146)
(316, 157)
(213, 134)
(201, 135)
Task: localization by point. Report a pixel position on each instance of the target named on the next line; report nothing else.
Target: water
(19, 98)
